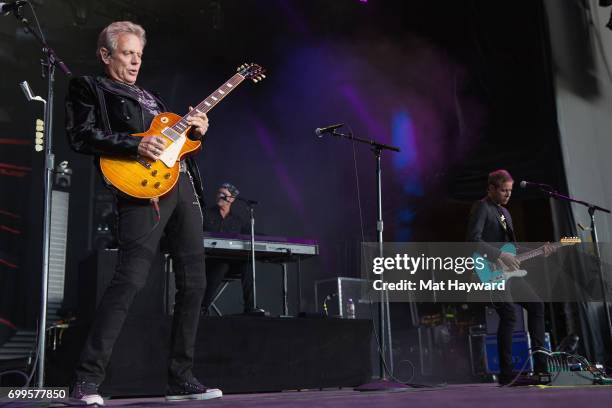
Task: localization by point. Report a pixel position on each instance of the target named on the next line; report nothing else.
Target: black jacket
(231, 223)
(485, 227)
(91, 131)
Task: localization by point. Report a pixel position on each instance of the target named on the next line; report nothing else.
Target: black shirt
(213, 222)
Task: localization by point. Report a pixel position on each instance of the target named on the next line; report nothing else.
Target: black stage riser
(238, 354)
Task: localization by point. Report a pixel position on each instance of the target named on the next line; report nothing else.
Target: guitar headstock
(570, 240)
(252, 71)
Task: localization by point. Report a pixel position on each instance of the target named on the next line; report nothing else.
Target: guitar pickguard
(494, 271)
(172, 151)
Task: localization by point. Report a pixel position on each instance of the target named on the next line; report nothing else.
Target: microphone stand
(384, 383)
(592, 208)
(48, 64)
(251, 206)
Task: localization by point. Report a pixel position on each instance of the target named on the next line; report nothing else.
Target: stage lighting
(39, 136)
(40, 125)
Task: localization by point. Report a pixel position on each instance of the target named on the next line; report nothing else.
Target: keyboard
(225, 244)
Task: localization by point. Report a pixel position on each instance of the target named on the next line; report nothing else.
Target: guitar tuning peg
(262, 76)
(255, 80)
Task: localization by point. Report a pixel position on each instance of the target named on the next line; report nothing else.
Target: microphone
(6, 8)
(246, 200)
(327, 129)
(525, 184)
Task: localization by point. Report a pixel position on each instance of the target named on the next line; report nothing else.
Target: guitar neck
(210, 102)
(535, 252)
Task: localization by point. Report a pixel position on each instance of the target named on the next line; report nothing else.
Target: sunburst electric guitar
(146, 178)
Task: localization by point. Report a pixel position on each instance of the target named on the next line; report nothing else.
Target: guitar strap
(102, 103)
(107, 130)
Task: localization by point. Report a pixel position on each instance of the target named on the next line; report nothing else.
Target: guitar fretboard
(536, 252)
(210, 102)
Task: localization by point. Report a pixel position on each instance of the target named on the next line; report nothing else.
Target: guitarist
(489, 223)
(101, 114)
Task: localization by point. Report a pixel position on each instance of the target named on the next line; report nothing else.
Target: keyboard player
(220, 218)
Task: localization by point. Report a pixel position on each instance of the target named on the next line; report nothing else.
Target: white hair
(109, 36)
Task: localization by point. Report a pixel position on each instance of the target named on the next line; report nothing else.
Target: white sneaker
(191, 390)
(210, 393)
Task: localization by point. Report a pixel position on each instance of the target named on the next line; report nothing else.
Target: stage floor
(456, 396)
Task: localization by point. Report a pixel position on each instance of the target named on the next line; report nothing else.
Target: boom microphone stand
(50, 61)
(592, 208)
(385, 383)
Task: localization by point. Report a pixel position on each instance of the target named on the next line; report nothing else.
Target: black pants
(139, 234)
(507, 319)
(217, 270)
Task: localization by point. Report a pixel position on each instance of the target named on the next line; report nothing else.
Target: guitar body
(492, 272)
(145, 178)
